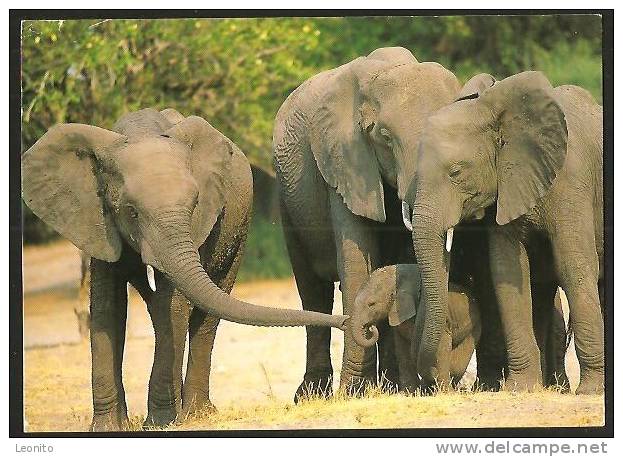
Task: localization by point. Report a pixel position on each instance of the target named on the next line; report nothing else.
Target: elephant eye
(454, 171)
(387, 136)
(132, 211)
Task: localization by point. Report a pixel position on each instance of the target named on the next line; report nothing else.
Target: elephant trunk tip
(365, 335)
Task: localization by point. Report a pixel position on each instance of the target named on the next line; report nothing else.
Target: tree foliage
(237, 72)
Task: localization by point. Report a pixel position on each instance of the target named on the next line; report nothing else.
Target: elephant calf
(393, 293)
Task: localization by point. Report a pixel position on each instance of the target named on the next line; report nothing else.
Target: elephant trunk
(180, 261)
(363, 329)
(433, 260)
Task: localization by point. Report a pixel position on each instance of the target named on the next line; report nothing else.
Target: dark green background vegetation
(237, 72)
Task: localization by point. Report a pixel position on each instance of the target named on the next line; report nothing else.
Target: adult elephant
(162, 202)
(344, 145)
(531, 157)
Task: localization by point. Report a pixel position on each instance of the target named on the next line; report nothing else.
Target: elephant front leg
(316, 295)
(357, 256)
(108, 319)
(202, 332)
(511, 277)
(169, 311)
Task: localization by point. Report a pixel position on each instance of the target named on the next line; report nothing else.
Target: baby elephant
(393, 292)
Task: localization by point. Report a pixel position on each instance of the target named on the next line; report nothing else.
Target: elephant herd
(450, 215)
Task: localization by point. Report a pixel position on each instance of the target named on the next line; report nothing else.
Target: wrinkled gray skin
(159, 190)
(343, 142)
(394, 292)
(532, 156)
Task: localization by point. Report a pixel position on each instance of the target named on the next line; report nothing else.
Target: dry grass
(380, 410)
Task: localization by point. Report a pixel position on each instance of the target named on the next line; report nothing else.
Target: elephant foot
(560, 382)
(113, 421)
(315, 385)
(591, 383)
(410, 389)
(523, 382)
(159, 418)
(197, 404)
(356, 386)
(488, 383)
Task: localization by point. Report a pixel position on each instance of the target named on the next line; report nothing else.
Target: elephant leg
(389, 377)
(460, 357)
(202, 332)
(407, 370)
(81, 310)
(578, 269)
(109, 303)
(510, 270)
(169, 312)
(490, 348)
(357, 256)
(542, 314)
(316, 295)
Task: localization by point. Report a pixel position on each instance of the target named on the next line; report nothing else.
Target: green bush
(237, 72)
(265, 255)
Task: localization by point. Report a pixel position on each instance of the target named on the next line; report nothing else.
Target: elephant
(527, 159)
(393, 293)
(161, 202)
(344, 147)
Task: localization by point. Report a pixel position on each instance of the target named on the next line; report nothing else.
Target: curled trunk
(180, 261)
(365, 334)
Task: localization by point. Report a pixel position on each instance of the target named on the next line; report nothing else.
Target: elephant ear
(173, 116)
(531, 141)
(210, 162)
(60, 185)
(475, 86)
(407, 298)
(344, 156)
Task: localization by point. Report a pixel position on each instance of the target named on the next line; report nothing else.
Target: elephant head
(160, 194)
(501, 146)
(367, 121)
(391, 292)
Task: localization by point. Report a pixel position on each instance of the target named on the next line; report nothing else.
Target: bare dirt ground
(255, 370)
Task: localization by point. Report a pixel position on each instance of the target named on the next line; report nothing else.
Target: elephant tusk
(151, 279)
(406, 216)
(449, 236)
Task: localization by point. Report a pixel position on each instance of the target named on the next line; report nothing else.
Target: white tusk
(151, 279)
(449, 236)
(406, 216)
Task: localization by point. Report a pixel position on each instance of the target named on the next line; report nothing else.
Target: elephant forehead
(153, 153)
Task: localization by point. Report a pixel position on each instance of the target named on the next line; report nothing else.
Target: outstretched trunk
(179, 260)
(433, 260)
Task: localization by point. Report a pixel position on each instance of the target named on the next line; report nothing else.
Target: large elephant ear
(211, 157)
(475, 86)
(60, 185)
(344, 156)
(531, 141)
